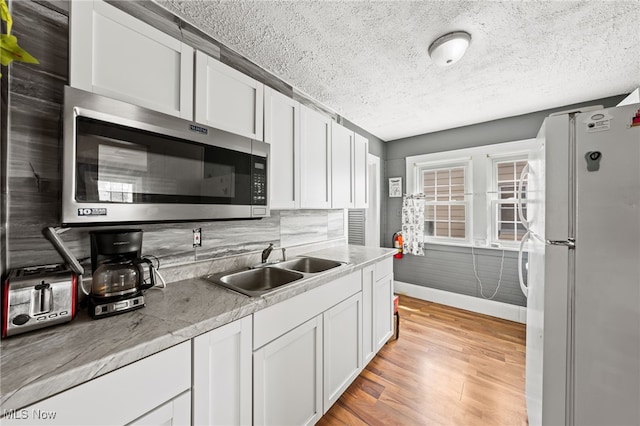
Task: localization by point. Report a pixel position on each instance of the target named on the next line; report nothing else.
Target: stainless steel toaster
(37, 297)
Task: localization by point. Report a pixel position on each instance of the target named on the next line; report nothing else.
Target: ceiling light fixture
(449, 48)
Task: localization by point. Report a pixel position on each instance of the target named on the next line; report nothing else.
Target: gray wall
(32, 152)
(451, 268)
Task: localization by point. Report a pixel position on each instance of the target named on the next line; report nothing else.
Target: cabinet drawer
(276, 320)
(121, 396)
(383, 268)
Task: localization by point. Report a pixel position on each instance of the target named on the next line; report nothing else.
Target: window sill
(479, 246)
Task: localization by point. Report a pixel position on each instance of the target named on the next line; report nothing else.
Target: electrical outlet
(197, 237)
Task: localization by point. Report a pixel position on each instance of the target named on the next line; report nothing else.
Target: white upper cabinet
(341, 166)
(315, 159)
(228, 99)
(360, 175)
(116, 55)
(348, 168)
(282, 131)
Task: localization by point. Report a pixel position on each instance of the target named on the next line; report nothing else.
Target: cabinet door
(116, 55)
(368, 340)
(222, 375)
(315, 159)
(228, 99)
(341, 166)
(360, 175)
(382, 310)
(287, 383)
(282, 131)
(342, 347)
(176, 412)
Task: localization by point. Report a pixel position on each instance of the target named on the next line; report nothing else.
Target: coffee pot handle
(152, 277)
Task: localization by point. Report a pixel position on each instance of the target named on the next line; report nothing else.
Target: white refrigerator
(582, 212)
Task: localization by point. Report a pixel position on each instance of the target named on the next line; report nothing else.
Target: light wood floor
(449, 367)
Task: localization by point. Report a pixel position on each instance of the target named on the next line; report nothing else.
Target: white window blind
(507, 227)
(445, 205)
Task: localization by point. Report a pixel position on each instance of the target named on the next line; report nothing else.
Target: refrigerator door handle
(570, 243)
(523, 287)
(523, 220)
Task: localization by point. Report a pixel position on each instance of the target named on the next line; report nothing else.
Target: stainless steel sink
(256, 282)
(309, 265)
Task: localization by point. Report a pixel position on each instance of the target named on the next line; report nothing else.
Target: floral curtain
(413, 224)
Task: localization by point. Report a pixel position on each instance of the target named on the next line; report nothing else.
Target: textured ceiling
(367, 60)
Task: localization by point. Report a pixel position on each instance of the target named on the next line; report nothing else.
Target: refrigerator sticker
(598, 122)
(635, 121)
(599, 126)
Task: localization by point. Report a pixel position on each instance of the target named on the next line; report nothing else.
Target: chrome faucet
(266, 252)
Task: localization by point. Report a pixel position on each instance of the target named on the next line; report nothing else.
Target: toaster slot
(41, 299)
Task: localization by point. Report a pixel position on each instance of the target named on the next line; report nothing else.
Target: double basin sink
(263, 279)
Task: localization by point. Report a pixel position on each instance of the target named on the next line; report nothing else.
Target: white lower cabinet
(288, 377)
(222, 375)
(154, 386)
(342, 347)
(382, 298)
(176, 412)
(368, 339)
(377, 307)
(306, 351)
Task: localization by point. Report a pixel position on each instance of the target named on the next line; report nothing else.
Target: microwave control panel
(259, 181)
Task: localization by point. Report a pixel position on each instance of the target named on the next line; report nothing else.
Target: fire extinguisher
(397, 243)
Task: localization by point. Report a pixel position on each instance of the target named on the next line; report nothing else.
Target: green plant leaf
(10, 51)
(5, 15)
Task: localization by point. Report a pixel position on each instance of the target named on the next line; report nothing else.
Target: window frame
(494, 201)
(465, 164)
(479, 184)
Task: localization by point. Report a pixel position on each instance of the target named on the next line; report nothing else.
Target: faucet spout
(266, 252)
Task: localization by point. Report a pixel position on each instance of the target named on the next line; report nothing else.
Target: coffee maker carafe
(118, 272)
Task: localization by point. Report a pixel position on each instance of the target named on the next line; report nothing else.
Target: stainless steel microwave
(123, 163)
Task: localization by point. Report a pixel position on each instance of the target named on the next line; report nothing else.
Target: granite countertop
(36, 365)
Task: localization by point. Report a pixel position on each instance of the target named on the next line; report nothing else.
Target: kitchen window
(446, 210)
(470, 194)
(507, 229)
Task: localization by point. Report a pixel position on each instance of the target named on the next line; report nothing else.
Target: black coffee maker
(118, 272)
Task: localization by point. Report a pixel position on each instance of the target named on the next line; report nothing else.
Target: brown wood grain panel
(449, 367)
(43, 33)
(35, 139)
(60, 6)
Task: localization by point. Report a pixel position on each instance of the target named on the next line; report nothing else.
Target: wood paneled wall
(33, 152)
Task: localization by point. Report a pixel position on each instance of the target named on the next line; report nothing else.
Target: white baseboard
(462, 301)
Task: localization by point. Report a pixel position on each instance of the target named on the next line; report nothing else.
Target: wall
(35, 95)
(451, 268)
